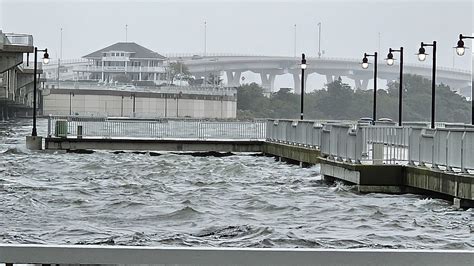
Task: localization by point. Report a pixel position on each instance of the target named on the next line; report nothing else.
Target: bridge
(16, 77)
(268, 67)
(376, 158)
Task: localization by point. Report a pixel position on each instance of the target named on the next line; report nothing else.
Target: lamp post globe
(460, 49)
(422, 54)
(389, 59)
(365, 63)
(46, 57)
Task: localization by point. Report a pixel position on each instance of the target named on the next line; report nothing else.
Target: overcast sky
(349, 28)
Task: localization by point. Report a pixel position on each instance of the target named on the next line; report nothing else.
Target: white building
(123, 61)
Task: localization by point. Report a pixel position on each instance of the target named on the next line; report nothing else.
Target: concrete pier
(403, 179)
(153, 144)
(34, 142)
(291, 153)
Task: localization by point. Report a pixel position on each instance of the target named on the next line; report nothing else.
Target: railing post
(50, 117)
(359, 143)
(447, 151)
(463, 164)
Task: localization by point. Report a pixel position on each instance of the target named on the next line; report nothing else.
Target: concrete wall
(86, 102)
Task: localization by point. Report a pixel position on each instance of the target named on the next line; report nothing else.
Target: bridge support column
(329, 79)
(297, 82)
(358, 84)
(233, 78)
(268, 80)
(365, 84)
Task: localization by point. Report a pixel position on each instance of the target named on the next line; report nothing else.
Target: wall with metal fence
(102, 127)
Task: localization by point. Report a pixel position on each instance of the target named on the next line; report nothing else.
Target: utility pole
(205, 51)
(379, 38)
(294, 44)
(60, 53)
(205, 38)
(319, 40)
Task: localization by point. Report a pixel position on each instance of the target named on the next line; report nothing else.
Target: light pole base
(34, 142)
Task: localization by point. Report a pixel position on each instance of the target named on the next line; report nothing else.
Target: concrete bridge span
(268, 67)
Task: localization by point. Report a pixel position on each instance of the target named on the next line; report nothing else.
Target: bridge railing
(19, 39)
(163, 128)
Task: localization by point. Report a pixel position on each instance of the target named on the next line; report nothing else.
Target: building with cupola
(123, 60)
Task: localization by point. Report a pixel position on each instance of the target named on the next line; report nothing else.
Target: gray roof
(137, 50)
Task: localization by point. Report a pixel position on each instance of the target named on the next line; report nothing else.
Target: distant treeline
(337, 100)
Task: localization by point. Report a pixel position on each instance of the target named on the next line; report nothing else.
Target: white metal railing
(126, 255)
(163, 128)
(200, 90)
(19, 39)
(305, 133)
(449, 148)
(88, 68)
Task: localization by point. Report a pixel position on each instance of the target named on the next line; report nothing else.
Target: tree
(214, 79)
(178, 70)
(339, 101)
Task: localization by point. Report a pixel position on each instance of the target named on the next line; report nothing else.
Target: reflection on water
(181, 200)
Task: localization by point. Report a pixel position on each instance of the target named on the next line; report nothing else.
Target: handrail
(159, 128)
(449, 148)
(123, 255)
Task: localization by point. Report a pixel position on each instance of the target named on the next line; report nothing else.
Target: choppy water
(181, 200)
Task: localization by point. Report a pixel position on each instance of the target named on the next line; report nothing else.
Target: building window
(122, 54)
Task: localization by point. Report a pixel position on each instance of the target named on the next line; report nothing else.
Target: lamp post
(422, 57)
(390, 62)
(460, 50)
(365, 65)
(45, 61)
(303, 67)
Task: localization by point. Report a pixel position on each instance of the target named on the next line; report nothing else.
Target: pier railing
(450, 148)
(164, 128)
(126, 255)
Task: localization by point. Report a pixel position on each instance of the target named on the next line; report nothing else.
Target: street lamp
(303, 67)
(460, 50)
(422, 56)
(45, 61)
(365, 65)
(390, 62)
